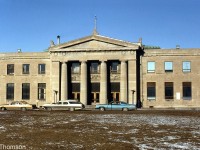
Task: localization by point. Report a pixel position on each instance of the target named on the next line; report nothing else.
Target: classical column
(83, 91)
(123, 82)
(64, 87)
(103, 83)
(132, 81)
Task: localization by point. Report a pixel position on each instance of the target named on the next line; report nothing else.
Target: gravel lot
(141, 129)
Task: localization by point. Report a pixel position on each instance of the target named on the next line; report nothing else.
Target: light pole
(133, 91)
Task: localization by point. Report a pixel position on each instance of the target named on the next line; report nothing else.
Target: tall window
(114, 68)
(168, 66)
(10, 91)
(169, 90)
(187, 90)
(75, 68)
(25, 68)
(41, 91)
(10, 69)
(151, 66)
(41, 68)
(151, 90)
(94, 67)
(25, 91)
(186, 66)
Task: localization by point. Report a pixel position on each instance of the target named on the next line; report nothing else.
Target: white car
(64, 105)
(18, 105)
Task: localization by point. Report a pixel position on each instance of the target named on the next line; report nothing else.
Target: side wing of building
(170, 78)
(25, 76)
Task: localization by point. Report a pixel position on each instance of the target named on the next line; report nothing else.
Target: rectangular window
(25, 68)
(186, 66)
(41, 68)
(169, 90)
(151, 90)
(10, 91)
(25, 91)
(151, 66)
(10, 69)
(187, 90)
(75, 68)
(42, 91)
(168, 66)
(94, 67)
(114, 68)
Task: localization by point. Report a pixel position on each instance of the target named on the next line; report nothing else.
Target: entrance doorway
(115, 96)
(76, 95)
(95, 97)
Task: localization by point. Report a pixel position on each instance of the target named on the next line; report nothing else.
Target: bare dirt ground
(141, 129)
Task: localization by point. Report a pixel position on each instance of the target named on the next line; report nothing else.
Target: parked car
(116, 105)
(64, 105)
(18, 105)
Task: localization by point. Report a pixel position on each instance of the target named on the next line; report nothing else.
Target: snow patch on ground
(167, 142)
(2, 128)
(129, 129)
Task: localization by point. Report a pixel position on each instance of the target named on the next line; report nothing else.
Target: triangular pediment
(94, 42)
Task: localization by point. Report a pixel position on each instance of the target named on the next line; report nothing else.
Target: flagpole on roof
(95, 26)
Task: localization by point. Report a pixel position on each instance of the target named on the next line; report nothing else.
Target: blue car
(116, 105)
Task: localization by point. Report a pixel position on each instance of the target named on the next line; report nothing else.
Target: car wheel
(125, 109)
(3, 108)
(71, 108)
(102, 109)
(23, 108)
(49, 108)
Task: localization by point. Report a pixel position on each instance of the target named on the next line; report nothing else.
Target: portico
(95, 69)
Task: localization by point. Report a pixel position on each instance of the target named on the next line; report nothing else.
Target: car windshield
(74, 102)
(114, 102)
(59, 103)
(13, 103)
(124, 103)
(23, 102)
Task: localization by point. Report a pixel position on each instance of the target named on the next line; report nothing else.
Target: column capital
(123, 60)
(63, 62)
(103, 60)
(83, 61)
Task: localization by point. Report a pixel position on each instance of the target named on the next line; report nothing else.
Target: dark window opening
(169, 90)
(25, 91)
(41, 68)
(42, 91)
(25, 68)
(10, 69)
(151, 90)
(10, 91)
(187, 90)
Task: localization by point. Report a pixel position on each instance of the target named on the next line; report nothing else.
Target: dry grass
(142, 129)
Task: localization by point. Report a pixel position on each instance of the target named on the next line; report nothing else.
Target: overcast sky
(31, 24)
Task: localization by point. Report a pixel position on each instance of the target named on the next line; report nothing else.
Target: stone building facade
(170, 78)
(98, 69)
